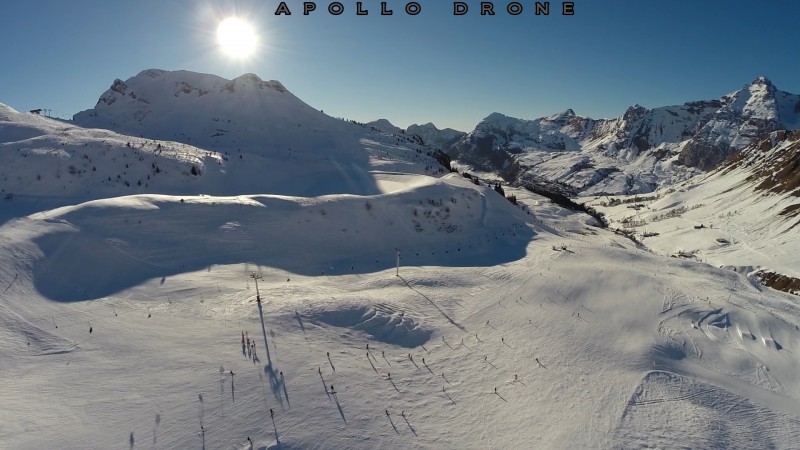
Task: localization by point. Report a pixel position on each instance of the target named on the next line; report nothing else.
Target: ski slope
(633, 349)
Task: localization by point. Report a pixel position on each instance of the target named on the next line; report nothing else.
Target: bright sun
(236, 37)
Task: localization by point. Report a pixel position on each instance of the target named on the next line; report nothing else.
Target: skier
(250, 441)
(271, 413)
(495, 390)
(387, 412)
(332, 391)
(319, 369)
(423, 361)
(367, 347)
(389, 375)
(242, 337)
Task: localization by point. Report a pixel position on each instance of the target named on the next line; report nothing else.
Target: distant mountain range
(638, 152)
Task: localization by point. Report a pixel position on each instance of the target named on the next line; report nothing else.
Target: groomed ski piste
(504, 326)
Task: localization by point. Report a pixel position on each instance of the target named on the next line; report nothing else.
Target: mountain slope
(742, 215)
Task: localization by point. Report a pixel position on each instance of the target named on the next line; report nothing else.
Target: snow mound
(380, 322)
(123, 242)
(670, 411)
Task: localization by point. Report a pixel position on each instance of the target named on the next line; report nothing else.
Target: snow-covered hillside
(742, 215)
(271, 288)
(46, 163)
(643, 150)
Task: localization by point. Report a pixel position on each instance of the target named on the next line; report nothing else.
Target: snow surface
(121, 310)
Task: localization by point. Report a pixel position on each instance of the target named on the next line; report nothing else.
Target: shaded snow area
(506, 329)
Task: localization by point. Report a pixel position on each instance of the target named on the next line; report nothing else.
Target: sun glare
(236, 37)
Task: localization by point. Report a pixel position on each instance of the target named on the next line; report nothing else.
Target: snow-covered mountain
(638, 152)
(434, 137)
(208, 111)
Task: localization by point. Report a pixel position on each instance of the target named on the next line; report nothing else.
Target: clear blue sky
(433, 67)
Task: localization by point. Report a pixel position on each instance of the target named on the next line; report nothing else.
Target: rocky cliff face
(745, 115)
